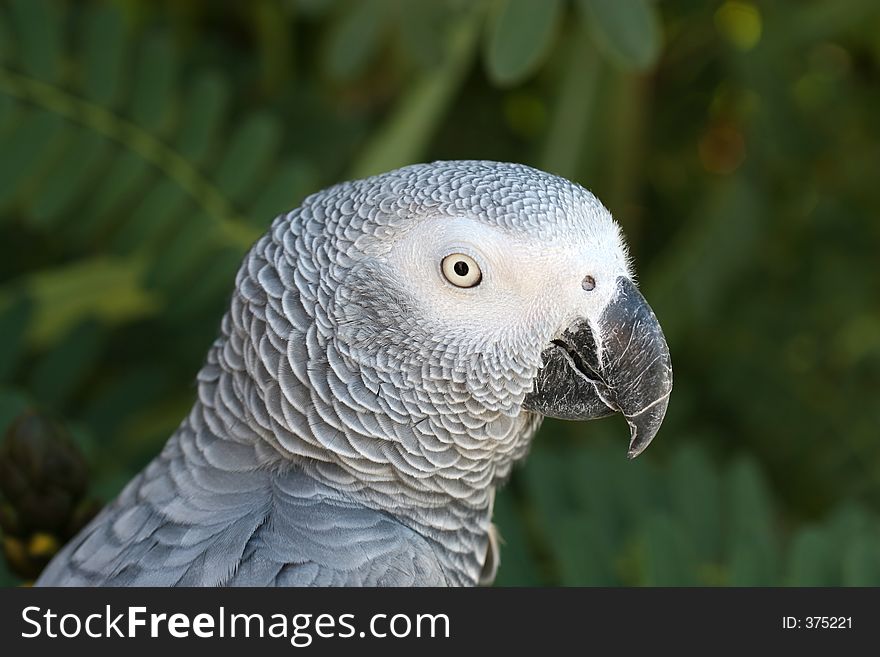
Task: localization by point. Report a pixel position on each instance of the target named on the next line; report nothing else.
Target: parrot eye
(461, 270)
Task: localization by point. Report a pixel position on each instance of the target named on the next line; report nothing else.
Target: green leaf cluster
(144, 144)
(597, 520)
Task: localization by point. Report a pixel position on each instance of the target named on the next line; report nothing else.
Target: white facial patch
(526, 281)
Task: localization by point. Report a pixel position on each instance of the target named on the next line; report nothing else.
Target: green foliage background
(144, 144)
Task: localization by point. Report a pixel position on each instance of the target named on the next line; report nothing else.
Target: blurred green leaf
(594, 473)
(750, 506)
(753, 561)
(12, 403)
(551, 497)
(314, 7)
(118, 396)
(730, 216)
(520, 34)
(212, 281)
(129, 174)
(105, 54)
(275, 43)
(811, 562)
(405, 135)
(817, 21)
(67, 179)
(251, 150)
(627, 31)
(6, 40)
(7, 112)
(37, 24)
(156, 209)
(423, 30)
(15, 313)
(696, 501)
(154, 80)
(576, 97)
(285, 189)
(586, 553)
(861, 561)
(354, 38)
(517, 567)
(203, 110)
(183, 255)
(64, 367)
(6, 578)
(667, 556)
(100, 288)
(25, 147)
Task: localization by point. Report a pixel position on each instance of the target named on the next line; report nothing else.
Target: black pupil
(461, 268)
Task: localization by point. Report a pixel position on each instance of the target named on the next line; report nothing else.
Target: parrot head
(474, 298)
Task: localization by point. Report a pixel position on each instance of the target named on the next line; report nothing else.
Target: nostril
(589, 283)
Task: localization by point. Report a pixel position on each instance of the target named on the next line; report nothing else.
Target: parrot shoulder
(185, 522)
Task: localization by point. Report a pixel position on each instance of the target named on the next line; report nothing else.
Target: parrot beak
(622, 365)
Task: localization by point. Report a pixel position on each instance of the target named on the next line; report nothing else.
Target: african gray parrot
(390, 350)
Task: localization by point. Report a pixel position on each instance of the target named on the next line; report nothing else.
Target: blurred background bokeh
(144, 144)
